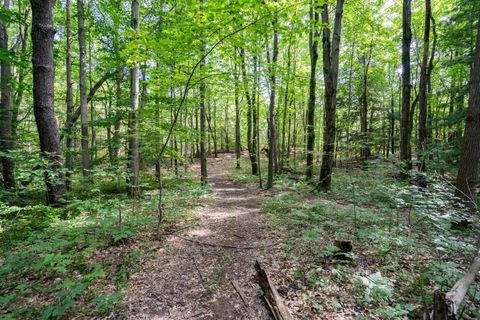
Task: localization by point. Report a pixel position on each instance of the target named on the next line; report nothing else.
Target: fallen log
(451, 301)
(271, 295)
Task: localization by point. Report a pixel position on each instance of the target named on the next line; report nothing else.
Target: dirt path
(187, 280)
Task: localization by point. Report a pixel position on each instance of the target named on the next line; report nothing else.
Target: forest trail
(188, 280)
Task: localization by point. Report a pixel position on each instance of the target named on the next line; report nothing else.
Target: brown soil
(190, 280)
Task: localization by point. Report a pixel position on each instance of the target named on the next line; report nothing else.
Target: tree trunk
(272, 139)
(422, 94)
(470, 154)
(227, 131)
(283, 153)
(313, 46)
(69, 97)
(116, 143)
(43, 97)
(6, 137)
(349, 107)
(250, 110)
(203, 111)
(238, 143)
(405, 153)
(331, 52)
(93, 132)
(83, 87)
(133, 140)
(365, 149)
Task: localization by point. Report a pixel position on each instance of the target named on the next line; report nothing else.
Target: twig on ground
(225, 245)
(237, 288)
(198, 270)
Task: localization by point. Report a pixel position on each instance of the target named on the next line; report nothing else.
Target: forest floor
(202, 273)
(398, 255)
(98, 258)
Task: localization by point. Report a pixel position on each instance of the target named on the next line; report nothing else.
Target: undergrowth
(56, 262)
(406, 241)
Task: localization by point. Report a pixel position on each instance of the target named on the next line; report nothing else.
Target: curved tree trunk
(43, 97)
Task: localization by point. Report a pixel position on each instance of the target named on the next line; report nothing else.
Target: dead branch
(225, 245)
(198, 270)
(237, 288)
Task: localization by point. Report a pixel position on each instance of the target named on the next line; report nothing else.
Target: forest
(239, 159)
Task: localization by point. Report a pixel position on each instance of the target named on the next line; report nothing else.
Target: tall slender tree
(331, 55)
(423, 91)
(470, 154)
(314, 34)
(6, 137)
(133, 139)
(272, 138)
(238, 143)
(43, 97)
(405, 153)
(83, 87)
(69, 95)
(203, 124)
(251, 134)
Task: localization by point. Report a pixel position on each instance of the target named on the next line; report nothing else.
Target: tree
(238, 143)
(133, 139)
(272, 134)
(470, 153)
(43, 97)
(203, 111)
(313, 46)
(422, 94)
(251, 116)
(405, 152)
(331, 53)
(69, 95)
(6, 137)
(83, 86)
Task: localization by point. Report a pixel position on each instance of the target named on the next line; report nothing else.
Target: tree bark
(271, 116)
(69, 97)
(250, 110)
(313, 46)
(405, 153)
(133, 140)
(6, 137)
(238, 143)
(331, 52)
(422, 94)
(365, 149)
(470, 154)
(203, 111)
(43, 97)
(283, 153)
(83, 87)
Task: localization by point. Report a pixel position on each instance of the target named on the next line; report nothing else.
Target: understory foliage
(78, 259)
(406, 241)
